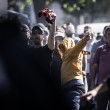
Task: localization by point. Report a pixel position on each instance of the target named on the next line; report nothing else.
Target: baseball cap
(40, 26)
(60, 32)
(46, 31)
(57, 34)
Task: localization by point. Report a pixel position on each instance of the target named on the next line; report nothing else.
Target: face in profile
(108, 36)
(87, 30)
(26, 31)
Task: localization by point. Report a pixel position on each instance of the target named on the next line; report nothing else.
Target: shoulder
(108, 81)
(96, 45)
(46, 48)
(100, 42)
(102, 46)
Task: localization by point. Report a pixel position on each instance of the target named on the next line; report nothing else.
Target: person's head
(99, 36)
(87, 28)
(58, 38)
(10, 29)
(59, 34)
(65, 45)
(104, 30)
(38, 34)
(107, 34)
(23, 17)
(70, 29)
(64, 27)
(26, 31)
(104, 34)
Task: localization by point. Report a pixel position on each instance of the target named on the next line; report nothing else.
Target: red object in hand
(48, 14)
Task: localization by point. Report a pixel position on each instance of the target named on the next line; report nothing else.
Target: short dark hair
(22, 17)
(107, 28)
(10, 28)
(87, 27)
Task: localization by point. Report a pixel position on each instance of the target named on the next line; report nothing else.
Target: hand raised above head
(49, 15)
(52, 16)
(87, 36)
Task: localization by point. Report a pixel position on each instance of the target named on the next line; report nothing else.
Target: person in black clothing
(57, 61)
(26, 70)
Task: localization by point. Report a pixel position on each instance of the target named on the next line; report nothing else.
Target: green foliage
(75, 6)
(85, 6)
(70, 6)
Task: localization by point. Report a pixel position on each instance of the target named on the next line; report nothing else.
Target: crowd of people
(52, 68)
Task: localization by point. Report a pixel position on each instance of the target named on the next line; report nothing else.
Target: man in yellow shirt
(71, 70)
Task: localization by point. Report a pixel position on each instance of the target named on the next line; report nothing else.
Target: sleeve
(97, 56)
(108, 82)
(47, 56)
(93, 50)
(78, 48)
(48, 50)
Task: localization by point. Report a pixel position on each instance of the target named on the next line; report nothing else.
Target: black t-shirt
(28, 71)
(56, 69)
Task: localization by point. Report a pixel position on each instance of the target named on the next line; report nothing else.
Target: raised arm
(51, 39)
(81, 44)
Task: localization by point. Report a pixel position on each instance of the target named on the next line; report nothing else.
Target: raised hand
(87, 36)
(49, 15)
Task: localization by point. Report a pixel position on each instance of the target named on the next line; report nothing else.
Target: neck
(37, 45)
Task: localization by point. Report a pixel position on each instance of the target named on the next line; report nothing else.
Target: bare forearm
(101, 88)
(93, 74)
(51, 39)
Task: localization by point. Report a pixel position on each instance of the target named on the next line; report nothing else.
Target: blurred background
(78, 12)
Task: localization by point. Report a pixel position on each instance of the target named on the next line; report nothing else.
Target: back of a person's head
(68, 43)
(60, 32)
(64, 26)
(23, 17)
(9, 28)
(87, 28)
(70, 29)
